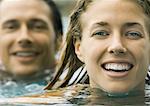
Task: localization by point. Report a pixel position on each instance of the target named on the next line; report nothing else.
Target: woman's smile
(117, 70)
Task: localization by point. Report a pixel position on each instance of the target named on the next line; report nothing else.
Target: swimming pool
(79, 95)
(12, 89)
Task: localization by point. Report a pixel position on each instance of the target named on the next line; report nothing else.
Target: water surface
(79, 95)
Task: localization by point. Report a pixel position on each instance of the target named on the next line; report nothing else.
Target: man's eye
(101, 34)
(10, 26)
(134, 35)
(37, 25)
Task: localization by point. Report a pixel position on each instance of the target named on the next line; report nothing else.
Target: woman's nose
(117, 46)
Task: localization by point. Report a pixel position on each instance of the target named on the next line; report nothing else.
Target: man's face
(26, 36)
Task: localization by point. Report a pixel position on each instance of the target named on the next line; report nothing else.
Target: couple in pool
(110, 39)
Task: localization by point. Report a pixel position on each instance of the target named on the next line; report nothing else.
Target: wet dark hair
(57, 23)
(69, 58)
(56, 16)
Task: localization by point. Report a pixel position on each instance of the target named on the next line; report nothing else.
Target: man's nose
(117, 46)
(25, 38)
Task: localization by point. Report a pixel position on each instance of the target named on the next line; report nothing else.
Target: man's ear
(78, 50)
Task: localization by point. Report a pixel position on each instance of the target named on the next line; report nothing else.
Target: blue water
(12, 89)
(78, 95)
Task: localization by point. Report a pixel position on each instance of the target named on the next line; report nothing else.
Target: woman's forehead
(102, 9)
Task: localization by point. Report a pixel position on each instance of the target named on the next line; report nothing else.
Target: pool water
(97, 97)
(12, 89)
(79, 95)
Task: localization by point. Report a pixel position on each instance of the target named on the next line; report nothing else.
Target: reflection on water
(12, 89)
(89, 96)
(79, 95)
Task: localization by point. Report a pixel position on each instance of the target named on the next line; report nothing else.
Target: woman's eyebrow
(101, 24)
(131, 24)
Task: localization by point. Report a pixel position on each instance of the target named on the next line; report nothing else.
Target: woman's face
(115, 45)
(26, 36)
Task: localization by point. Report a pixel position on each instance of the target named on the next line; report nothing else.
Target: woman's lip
(117, 72)
(113, 74)
(126, 61)
(117, 67)
(117, 61)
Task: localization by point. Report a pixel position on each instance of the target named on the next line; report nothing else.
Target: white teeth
(117, 66)
(25, 54)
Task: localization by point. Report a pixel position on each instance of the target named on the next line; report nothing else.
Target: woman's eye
(101, 34)
(134, 35)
